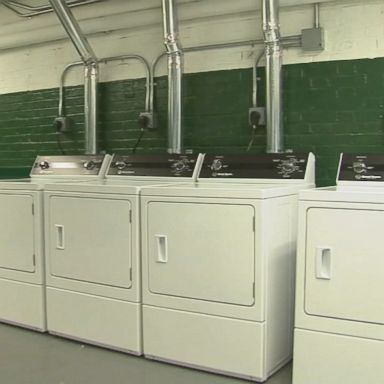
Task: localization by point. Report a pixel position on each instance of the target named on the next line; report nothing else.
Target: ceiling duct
(25, 10)
(273, 54)
(175, 73)
(91, 71)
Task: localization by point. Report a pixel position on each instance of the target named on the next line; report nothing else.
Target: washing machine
(339, 329)
(22, 291)
(218, 264)
(93, 250)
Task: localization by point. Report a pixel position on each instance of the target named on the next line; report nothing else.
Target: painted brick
(328, 108)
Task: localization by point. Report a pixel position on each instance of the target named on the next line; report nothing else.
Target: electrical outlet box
(62, 124)
(261, 112)
(147, 120)
(312, 39)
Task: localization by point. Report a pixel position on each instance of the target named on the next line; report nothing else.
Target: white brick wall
(354, 29)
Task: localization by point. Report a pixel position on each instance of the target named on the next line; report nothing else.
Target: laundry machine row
(183, 258)
(339, 328)
(22, 289)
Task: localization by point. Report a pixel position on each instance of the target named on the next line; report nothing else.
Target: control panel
(153, 165)
(361, 168)
(263, 166)
(83, 165)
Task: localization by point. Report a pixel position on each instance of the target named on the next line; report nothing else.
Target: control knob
(289, 166)
(216, 165)
(89, 165)
(120, 165)
(359, 167)
(180, 166)
(44, 165)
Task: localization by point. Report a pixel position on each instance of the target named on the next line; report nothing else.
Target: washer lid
(343, 193)
(225, 190)
(108, 186)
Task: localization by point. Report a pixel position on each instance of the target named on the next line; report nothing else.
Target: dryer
(93, 250)
(339, 329)
(218, 264)
(22, 291)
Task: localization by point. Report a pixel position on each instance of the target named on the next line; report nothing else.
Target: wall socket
(62, 124)
(150, 120)
(261, 112)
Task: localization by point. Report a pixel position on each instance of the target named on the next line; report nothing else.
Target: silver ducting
(273, 53)
(91, 71)
(73, 30)
(175, 73)
(90, 96)
(25, 10)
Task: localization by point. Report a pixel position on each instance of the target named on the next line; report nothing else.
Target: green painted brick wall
(329, 107)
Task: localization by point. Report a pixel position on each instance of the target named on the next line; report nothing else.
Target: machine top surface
(154, 166)
(345, 193)
(225, 190)
(70, 166)
(108, 186)
(284, 167)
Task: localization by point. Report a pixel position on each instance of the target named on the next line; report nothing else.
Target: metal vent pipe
(91, 71)
(273, 53)
(175, 74)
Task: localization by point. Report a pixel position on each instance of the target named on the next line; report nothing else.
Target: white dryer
(93, 250)
(339, 329)
(218, 265)
(22, 291)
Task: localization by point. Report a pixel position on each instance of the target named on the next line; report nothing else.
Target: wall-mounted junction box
(312, 39)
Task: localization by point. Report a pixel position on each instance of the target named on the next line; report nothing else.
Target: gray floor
(31, 358)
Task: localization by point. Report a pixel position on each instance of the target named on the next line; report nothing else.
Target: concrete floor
(31, 358)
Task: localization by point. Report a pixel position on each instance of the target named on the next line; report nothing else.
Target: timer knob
(44, 165)
(120, 165)
(180, 166)
(359, 167)
(288, 166)
(216, 165)
(89, 165)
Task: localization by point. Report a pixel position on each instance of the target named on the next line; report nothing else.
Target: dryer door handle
(323, 263)
(60, 237)
(161, 248)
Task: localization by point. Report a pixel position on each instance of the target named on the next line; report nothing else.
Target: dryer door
(17, 247)
(345, 264)
(90, 240)
(202, 251)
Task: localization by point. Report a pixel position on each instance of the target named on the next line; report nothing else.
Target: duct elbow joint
(172, 45)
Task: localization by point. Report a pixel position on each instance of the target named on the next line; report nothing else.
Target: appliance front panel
(326, 358)
(344, 264)
(17, 232)
(81, 231)
(219, 267)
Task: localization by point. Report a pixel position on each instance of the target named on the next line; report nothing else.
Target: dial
(217, 164)
(89, 165)
(360, 167)
(180, 166)
(120, 165)
(288, 166)
(44, 165)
